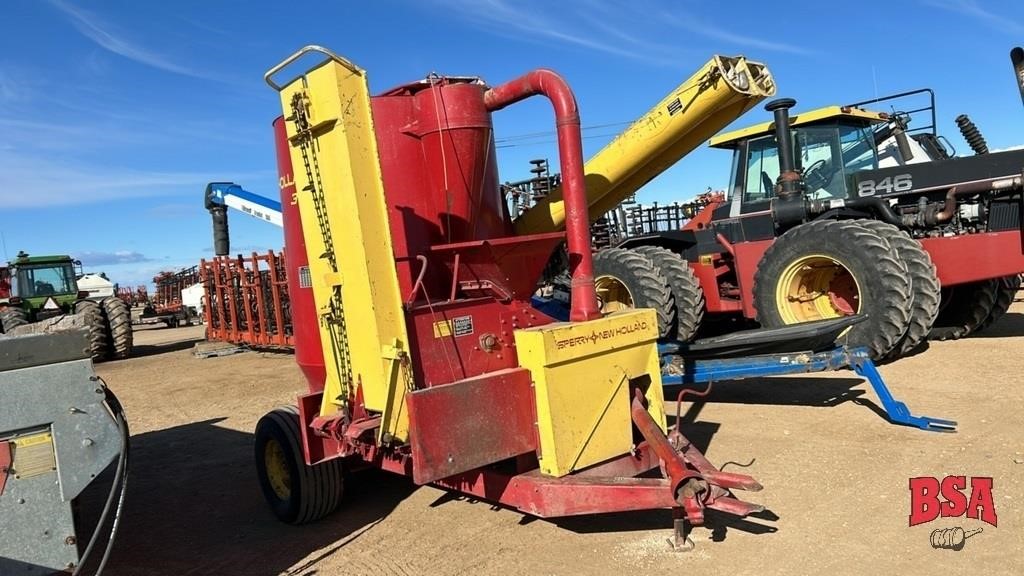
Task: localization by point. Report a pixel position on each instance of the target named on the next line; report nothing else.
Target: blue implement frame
(679, 371)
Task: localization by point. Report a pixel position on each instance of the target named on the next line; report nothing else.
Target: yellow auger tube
(721, 91)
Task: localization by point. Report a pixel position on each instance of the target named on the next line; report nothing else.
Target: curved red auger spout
(570, 156)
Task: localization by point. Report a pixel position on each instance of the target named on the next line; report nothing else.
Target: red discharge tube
(570, 155)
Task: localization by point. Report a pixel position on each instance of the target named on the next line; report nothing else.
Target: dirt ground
(835, 478)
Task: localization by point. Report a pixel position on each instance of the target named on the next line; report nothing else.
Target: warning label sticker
(459, 326)
(462, 326)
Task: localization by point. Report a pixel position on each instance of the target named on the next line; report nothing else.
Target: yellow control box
(583, 373)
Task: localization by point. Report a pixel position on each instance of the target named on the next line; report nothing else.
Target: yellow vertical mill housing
(582, 374)
(721, 91)
(341, 201)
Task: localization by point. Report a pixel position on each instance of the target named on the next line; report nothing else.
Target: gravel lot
(835, 475)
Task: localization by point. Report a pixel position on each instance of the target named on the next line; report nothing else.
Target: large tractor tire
(92, 314)
(685, 288)
(1006, 292)
(925, 292)
(119, 328)
(965, 307)
(296, 492)
(828, 269)
(11, 318)
(625, 279)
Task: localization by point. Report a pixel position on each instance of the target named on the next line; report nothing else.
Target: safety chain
(334, 319)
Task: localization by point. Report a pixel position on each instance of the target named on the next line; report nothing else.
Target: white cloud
(107, 36)
(709, 30)
(35, 182)
(508, 20)
(1007, 149)
(91, 258)
(624, 29)
(975, 10)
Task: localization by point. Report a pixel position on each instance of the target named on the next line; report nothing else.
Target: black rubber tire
(1005, 295)
(965, 309)
(925, 292)
(12, 317)
(647, 287)
(685, 288)
(315, 491)
(119, 328)
(91, 311)
(885, 287)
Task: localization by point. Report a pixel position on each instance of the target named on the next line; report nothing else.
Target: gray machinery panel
(61, 436)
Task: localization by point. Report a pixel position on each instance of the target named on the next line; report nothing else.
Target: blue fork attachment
(678, 371)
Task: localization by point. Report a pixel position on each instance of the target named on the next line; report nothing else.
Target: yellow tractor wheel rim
(816, 287)
(612, 294)
(278, 474)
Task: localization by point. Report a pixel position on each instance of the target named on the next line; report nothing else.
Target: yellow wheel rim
(612, 294)
(276, 463)
(816, 287)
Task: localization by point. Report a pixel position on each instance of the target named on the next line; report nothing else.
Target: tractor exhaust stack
(790, 182)
(1017, 59)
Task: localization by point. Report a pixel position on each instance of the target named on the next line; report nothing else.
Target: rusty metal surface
(246, 300)
(471, 423)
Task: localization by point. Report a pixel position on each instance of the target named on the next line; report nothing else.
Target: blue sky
(114, 114)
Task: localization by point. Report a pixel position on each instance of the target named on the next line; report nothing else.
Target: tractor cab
(44, 283)
(829, 146)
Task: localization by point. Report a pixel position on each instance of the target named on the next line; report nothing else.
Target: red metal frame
(5, 282)
(711, 200)
(167, 299)
(5, 464)
(973, 257)
(246, 299)
(138, 296)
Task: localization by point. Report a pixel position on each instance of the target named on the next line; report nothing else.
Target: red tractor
(834, 212)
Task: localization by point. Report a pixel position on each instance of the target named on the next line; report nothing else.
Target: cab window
(762, 169)
(35, 281)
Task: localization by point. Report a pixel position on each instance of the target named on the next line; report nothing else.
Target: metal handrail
(929, 108)
(302, 52)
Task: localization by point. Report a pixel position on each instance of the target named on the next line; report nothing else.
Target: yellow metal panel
(344, 218)
(582, 374)
(722, 90)
(728, 139)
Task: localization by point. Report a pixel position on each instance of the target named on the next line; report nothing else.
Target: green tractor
(44, 288)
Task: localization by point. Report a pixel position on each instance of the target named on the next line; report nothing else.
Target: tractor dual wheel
(625, 279)
(965, 308)
(119, 328)
(92, 315)
(685, 288)
(828, 269)
(296, 492)
(925, 292)
(11, 318)
(1006, 292)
